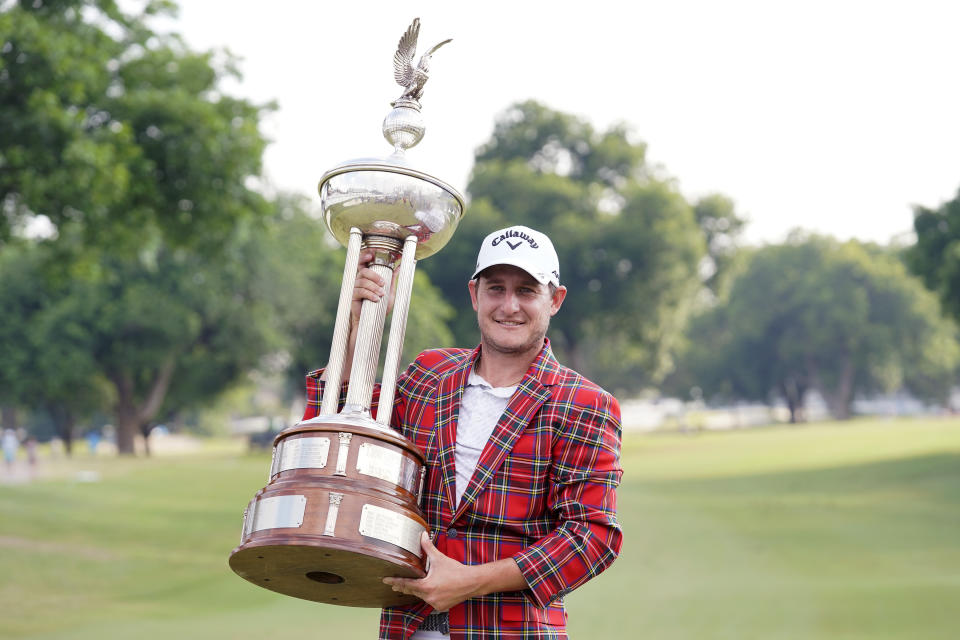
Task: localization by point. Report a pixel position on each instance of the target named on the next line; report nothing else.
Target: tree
(119, 137)
(115, 133)
(47, 361)
(936, 255)
(166, 331)
(817, 314)
(19, 301)
(721, 225)
(628, 242)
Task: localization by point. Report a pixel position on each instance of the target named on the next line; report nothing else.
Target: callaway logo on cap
(521, 247)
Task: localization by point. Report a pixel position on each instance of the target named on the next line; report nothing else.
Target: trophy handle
(398, 326)
(341, 329)
(366, 353)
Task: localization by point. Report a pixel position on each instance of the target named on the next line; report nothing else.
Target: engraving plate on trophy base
(300, 453)
(372, 537)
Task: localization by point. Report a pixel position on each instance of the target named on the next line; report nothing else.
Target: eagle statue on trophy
(409, 77)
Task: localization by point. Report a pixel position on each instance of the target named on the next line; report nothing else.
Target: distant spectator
(93, 440)
(10, 445)
(31, 446)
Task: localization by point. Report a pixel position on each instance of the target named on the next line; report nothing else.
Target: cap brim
(520, 265)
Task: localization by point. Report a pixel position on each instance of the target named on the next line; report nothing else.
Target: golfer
(523, 458)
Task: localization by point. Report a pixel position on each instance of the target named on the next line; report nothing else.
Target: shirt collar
(475, 380)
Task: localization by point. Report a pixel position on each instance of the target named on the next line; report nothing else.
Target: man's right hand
(368, 286)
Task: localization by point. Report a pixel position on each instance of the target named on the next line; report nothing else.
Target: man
(523, 459)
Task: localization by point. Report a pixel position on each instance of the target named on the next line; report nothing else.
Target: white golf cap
(521, 247)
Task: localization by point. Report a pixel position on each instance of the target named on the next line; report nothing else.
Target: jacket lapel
(521, 410)
(449, 393)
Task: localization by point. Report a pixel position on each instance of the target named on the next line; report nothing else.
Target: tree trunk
(844, 393)
(838, 399)
(571, 349)
(145, 430)
(127, 425)
(133, 419)
(795, 392)
(64, 422)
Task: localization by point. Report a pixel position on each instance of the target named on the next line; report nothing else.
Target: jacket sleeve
(586, 473)
(316, 387)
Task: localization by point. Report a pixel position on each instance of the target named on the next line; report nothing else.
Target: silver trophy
(340, 510)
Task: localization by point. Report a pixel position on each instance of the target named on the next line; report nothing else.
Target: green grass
(830, 531)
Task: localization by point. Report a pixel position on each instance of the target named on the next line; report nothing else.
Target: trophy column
(340, 510)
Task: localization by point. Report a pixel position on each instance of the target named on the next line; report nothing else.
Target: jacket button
(451, 533)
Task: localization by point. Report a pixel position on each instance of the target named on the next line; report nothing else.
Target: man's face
(513, 309)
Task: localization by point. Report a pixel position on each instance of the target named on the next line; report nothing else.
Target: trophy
(340, 510)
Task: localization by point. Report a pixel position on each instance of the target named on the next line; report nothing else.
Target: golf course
(842, 530)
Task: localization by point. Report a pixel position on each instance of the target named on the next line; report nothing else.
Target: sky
(836, 117)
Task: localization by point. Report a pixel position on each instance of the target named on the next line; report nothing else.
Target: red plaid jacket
(543, 493)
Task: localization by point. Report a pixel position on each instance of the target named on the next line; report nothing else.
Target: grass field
(830, 531)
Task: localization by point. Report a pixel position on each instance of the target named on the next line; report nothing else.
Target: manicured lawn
(828, 531)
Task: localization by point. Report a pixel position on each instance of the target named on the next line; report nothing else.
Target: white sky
(831, 116)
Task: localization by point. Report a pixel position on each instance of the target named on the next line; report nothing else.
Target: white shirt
(480, 409)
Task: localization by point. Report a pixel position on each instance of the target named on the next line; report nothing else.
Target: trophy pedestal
(350, 573)
(339, 514)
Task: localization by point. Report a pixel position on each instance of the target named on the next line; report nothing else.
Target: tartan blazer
(543, 492)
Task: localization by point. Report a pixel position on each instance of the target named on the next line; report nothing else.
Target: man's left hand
(447, 583)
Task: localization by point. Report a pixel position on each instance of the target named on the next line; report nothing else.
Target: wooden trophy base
(333, 574)
(338, 515)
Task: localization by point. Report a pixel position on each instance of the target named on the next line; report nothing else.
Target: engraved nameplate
(390, 526)
(379, 462)
(278, 512)
(302, 453)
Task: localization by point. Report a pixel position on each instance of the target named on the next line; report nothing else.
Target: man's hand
(369, 286)
(448, 582)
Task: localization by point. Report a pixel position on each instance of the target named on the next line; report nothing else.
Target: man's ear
(472, 286)
(558, 297)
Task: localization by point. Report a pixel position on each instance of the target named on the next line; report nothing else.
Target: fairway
(826, 531)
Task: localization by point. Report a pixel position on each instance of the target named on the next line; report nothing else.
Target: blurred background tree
(47, 361)
(936, 255)
(629, 242)
(145, 268)
(116, 133)
(814, 313)
(120, 152)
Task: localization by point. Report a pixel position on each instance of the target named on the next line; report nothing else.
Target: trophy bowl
(391, 199)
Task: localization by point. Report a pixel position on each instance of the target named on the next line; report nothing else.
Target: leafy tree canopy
(149, 283)
(936, 255)
(814, 313)
(629, 243)
(114, 132)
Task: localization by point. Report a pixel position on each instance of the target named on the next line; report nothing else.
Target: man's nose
(511, 301)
